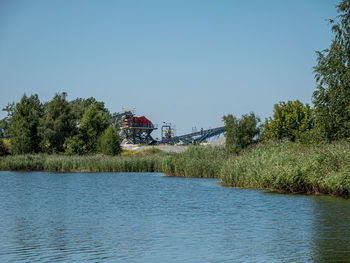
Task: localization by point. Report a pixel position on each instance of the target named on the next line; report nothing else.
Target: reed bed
(283, 167)
(196, 162)
(292, 168)
(62, 163)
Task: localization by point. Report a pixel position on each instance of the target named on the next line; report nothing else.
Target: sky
(187, 62)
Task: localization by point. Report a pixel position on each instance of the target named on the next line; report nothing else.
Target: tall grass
(284, 167)
(196, 162)
(291, 167)
(62, 163)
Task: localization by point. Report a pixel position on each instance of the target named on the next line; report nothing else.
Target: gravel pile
(219, 142)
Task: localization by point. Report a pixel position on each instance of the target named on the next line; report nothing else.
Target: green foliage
(52, 127)
(197, 161)
(79, 106)
(24, 123)
(110, 142)
(93, 124)
(284, 167)
(5, 122)
(97, 163)
(332, 73)
(4, 127)
(3, 148)
(152, 150)
(240, 132)
(291, 120)
(292, 167)
(57, 125)
(148, 151)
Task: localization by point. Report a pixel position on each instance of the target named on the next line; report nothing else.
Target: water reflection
(331, 229)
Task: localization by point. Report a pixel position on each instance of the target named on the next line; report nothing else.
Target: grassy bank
(61, 163)
(283, 167)
(292, 167)
(196, 162)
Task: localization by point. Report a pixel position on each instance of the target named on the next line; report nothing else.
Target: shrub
(240, 132)
(290, 120)
(3, 148)
(110, 142)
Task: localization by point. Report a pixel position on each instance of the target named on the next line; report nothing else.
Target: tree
(79, 106)
(110, 141)
(57, 125)
(332, 73)
(93, 124)
(240, 132)
(3, 149)
(4, 126)
(24, 124)
(5, 122)
(290, 120)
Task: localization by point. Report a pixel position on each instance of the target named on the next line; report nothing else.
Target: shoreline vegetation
(275, 166)
(300, 149)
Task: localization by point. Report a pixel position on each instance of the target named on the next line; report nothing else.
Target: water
(120, 217)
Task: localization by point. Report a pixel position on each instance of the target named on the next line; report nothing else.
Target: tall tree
(332, 73)
(80, 106)
(57, 125)
(240, 132)
(290, 120)
(3, 149)
(93, 124)
(4, 126)
(110, 141)
(24, 124)
(5, 122)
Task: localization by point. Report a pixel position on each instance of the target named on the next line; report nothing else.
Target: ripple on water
(119, 217)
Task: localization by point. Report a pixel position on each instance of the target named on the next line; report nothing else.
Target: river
(146, 217)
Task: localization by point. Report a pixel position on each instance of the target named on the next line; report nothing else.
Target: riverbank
(195, 162)
(292, 168)
(99, 163)
(283, 167)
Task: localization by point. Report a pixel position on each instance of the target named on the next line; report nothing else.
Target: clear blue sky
(186, 62)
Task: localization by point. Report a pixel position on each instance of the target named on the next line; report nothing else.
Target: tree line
(81, 126)
(328, 120)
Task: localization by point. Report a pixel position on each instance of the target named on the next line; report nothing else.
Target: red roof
(143, 119)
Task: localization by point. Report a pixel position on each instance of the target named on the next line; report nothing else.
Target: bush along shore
(283, 167)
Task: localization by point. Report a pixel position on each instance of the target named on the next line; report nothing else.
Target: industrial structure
(138, 129)
(193, 138)
(134, 129)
